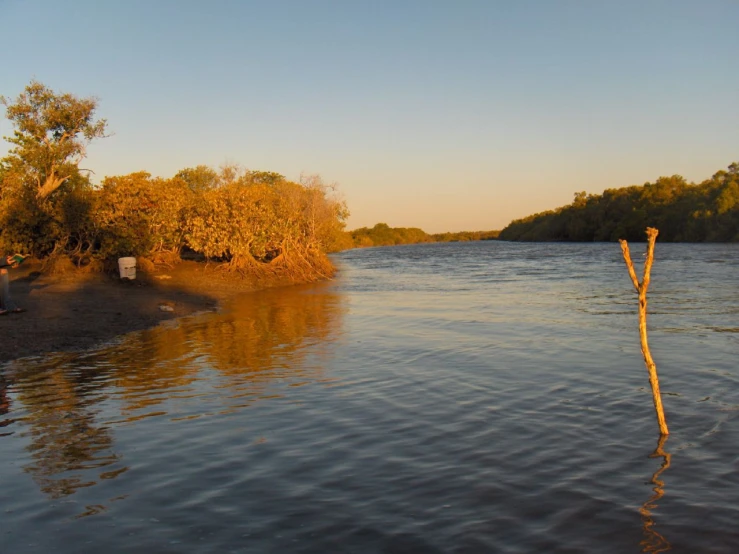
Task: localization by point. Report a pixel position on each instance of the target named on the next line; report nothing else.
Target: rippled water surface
(480, 397)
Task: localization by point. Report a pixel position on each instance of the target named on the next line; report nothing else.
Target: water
(479, 397)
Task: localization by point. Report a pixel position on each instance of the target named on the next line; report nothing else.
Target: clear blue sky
(444, 115)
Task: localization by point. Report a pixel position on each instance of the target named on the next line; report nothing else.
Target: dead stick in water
(641, 288)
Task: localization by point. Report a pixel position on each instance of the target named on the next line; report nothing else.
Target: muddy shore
(78, 310)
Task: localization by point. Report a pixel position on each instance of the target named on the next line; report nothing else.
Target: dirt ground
(78, 310)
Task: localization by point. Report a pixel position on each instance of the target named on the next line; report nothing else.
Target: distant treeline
(257, 222)
(682, 211)
(384, 235)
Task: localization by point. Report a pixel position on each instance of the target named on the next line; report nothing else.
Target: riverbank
(78, 310)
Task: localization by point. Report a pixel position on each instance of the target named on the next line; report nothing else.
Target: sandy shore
(78, 310)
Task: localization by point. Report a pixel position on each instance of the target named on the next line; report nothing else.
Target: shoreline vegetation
(254, 223)
(384, 235)
(199, 236)
(682, 211)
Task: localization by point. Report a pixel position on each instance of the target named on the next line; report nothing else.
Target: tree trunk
(52, 183)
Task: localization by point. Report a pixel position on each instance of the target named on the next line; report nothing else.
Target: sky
(444, 115)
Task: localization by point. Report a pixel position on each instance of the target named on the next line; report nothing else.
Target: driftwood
(641, 288)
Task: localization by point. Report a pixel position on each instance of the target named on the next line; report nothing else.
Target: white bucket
(127, 268)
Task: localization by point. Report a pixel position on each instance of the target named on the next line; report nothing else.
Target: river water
(475, 397)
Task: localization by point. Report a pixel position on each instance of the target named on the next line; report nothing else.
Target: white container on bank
(127, 268)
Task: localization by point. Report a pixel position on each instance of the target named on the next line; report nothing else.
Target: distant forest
(384, 235)
(682, 211)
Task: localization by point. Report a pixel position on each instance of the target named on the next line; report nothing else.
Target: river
(463, 398)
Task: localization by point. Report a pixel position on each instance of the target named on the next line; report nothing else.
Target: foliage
(464, 236)
(227, 223)
(384, 235)
(51, 135)
(257, 221)
(685, 212)
(261, 222)
(137, 215)
(39, 228)
(325, 214)
(200, 178)
(44, 198)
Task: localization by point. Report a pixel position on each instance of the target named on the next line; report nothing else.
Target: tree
(51, 135)
(264, 178)
(139, 215)
(199, 178)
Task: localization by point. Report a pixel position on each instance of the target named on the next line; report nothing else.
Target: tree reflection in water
(66, 442)
(653, 541)
(68, 405)
(258, 339)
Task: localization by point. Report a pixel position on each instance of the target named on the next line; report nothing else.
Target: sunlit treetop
(52, 132)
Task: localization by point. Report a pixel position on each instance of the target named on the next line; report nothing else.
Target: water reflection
(67, 406)
(4, 404)
(653, 541)
(59, 418)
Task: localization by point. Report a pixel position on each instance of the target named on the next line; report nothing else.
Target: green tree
(680, 210)
(52, 132)
(199, 178)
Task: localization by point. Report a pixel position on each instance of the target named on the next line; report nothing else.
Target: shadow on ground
(77, 310)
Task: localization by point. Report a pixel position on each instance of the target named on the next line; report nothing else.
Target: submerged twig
(642, 288)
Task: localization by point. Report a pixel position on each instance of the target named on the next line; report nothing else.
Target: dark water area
(465, 398)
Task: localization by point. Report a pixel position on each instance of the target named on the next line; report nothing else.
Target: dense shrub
(137, 215)
(266, 225)
(255, 220)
